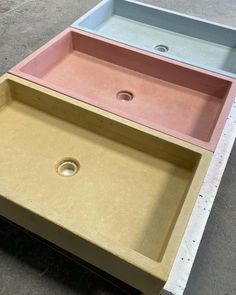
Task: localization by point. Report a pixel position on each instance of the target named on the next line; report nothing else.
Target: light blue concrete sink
(188, 39)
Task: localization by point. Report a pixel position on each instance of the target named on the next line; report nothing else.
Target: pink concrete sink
(166, 95)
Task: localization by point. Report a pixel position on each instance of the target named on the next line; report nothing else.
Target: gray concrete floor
(29, 267)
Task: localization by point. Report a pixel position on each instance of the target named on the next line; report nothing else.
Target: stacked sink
(108, 130)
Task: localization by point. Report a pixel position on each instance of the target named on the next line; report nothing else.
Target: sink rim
(158, 270)
(226, 105)
(89, 13)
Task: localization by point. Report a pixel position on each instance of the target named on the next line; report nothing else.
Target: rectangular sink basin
(110, 191)
(179, 100)
(189, 39)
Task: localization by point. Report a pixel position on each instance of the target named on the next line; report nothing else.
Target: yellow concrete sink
(114, 193)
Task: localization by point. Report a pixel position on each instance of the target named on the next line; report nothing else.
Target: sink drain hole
(125, 95)
(68, 167)
(161, 48)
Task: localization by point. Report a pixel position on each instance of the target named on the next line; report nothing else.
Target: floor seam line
(15, 8)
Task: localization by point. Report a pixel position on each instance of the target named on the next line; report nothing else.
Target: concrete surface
(29, 267)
